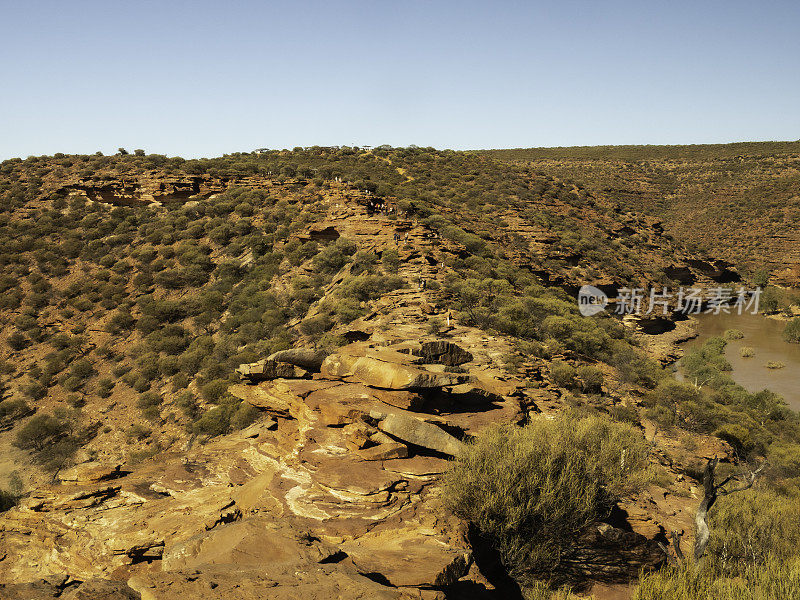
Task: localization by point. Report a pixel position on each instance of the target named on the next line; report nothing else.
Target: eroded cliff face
(742, 206)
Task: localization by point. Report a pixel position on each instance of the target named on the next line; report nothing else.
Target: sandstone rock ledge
(332, 493)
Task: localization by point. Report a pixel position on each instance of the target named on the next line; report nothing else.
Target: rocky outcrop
(64, 589)
(418, 432)
(267, 369)
(378, 373)
(90, 472)
(330, 494)
(305, 358)
(445, 353)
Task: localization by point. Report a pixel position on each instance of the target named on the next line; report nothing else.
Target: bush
(13, 409)
(81, 369)
(40, 431)
(104, 387)
(391, 260)
(750, 528)
(213, 391)
(777, 580)
(50, 438)
(791, 332)
(17, 341)
(335, 256)
(591, 379)
(562, 374)
(7, 500)
(733, 334)
(532, 490)
(216, 421)
(245, 415)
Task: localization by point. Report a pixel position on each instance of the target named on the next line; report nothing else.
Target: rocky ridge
(333, 492)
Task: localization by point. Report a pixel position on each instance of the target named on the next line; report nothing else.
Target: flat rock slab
(377, 373)
(353, 475)
(263, 396)
(418, 432)
(266, 369)
(53, 587)
(389, 450)
(314, 582)
(90, 472)
(417, 466)
(304, 358)
(408, 558)
(251, 543)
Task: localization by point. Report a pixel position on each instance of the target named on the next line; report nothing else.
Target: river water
(765, 337)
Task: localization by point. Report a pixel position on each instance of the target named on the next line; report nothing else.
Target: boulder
(314, 582)
(252, 542)
(60, 586)
(384, 451)
(305, 358)
(90, 472)
(267, 369)
(99, 589)
(418, 432)
(406, 559)
(380, 374)
(445, 353)
(472, 393)
(357, 435)
(268, 398)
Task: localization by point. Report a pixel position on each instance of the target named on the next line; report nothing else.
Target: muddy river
(763, 335)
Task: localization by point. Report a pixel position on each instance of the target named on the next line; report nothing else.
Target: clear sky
(198, 78)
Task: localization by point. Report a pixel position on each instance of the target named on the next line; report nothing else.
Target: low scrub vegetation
(531, 490)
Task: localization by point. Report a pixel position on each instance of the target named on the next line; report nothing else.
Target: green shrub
(791, 333)
(213, 391)
(17, 341)
(245, 415)
(751, 528)
(50, 438)
(624, 414)
(138, 432)
(104, 387)
(391, 260)
(81, 369)
(335, 256)
(13, 409)
(562, 374)
(777, 580)
(531, 490)
(591, 379)
(733, 334)
(215, 421)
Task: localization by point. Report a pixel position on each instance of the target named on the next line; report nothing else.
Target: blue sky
(204, 78)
